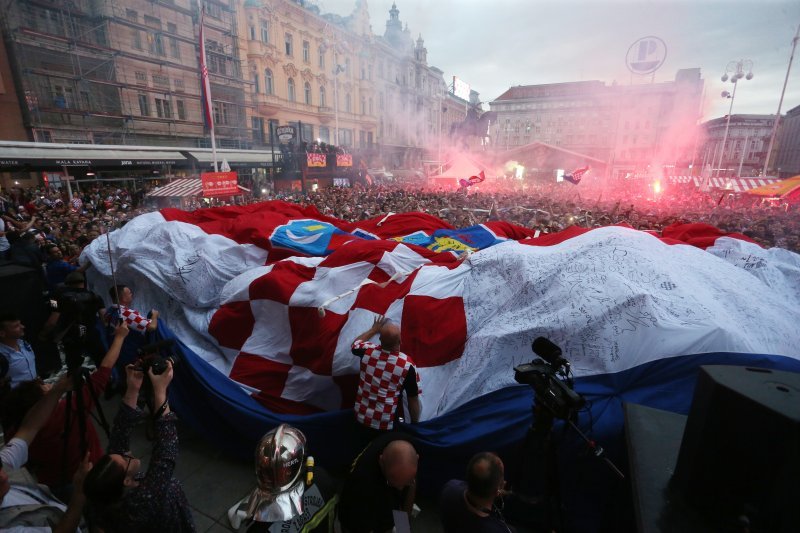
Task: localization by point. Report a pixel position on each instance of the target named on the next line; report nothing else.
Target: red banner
(316, 160)
(220, 184)
(344, 160)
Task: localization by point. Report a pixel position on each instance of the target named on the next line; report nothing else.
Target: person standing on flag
(385, 374)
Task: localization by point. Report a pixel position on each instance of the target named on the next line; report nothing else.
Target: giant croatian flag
(635, 314)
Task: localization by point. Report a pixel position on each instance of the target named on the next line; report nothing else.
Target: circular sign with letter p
(646, 55)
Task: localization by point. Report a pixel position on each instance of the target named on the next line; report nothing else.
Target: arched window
(291, 89)
(322, 96)
(269, 87)
(307, 93)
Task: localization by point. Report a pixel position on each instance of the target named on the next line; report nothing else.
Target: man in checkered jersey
(385, 373)
(121, 299)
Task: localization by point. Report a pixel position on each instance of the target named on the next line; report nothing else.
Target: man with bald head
(385, 373)
(382, 479)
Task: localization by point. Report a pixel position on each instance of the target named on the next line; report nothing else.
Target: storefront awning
(179, 189)
(185, 187)
(234, 158)
(21, 155)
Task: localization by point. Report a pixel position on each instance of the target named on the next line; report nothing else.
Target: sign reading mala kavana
(219, 184)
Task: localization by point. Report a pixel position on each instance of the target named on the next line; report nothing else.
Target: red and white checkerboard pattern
(380, 385)
(298, 362)
(134, 319)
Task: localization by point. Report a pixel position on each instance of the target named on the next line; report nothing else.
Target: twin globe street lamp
(736, 69)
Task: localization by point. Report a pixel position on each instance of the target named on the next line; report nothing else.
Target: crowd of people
(111, 491)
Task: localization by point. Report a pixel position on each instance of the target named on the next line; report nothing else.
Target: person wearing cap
(382, 480)
(121, 494)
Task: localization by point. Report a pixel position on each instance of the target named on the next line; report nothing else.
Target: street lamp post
(780, 103)
(737, 70)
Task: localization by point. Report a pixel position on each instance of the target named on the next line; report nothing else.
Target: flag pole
(206, 89)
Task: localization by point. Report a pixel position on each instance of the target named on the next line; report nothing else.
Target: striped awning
(179, 188)
(681, 179)
(735, 184)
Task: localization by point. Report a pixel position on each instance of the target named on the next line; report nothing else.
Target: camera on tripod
(78, 314)
(152, 357)
(550, 379)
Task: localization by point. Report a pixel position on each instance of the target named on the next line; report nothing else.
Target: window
(363, 71)
(348, 103)
(264, 31)
(347, 66)
(141, 77)
(369, 71)
(371, 111)
(252, 33)
(322, 96)
(144, 105)
(306, 52)
(324, 134)
(162, 108)
(178, 86)
(131, 15)
(221, 113)
(174, 49)
(290, 85)
(136, 39)
(287, 42)
(363, 105)
(161, 80)
(156, 44)
(269, 88)
(213, 10)
(321, 56)
(153, 22)
(258, 128)
(181, 109)
(380, 101)
(307, 93)
(256, 83)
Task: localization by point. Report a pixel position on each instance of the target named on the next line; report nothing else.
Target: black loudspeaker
(740, 453)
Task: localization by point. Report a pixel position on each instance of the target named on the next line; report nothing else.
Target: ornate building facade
(744, 149)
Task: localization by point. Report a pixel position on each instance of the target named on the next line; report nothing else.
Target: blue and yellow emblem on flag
(309, 237)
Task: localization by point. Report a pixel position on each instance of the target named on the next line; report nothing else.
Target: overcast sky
(495, 44)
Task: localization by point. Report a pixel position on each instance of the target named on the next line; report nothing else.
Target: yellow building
(303, 71)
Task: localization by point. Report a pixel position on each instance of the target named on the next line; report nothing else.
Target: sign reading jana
(646, 55)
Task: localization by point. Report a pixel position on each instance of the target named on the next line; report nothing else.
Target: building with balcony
(109, 72)
(745, 147)
(632, 127)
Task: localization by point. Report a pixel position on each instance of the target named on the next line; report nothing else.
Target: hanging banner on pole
(220, 184)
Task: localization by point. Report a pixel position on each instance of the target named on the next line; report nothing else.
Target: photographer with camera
(122, 496)
(24, 505)
(73, 321)
(55, 454)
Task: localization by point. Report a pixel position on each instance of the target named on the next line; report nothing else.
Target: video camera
(151, 356)
(550, 379)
